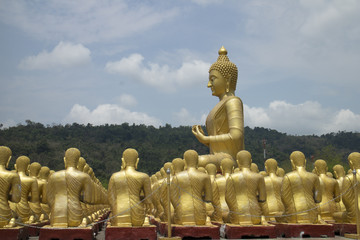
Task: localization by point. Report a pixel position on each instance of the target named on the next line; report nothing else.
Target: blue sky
(146, 62)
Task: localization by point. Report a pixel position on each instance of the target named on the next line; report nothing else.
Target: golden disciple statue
(35, 207)
(190, 189)
(273, 205)
(29, 187)
(348, 188)
(339, 173)
(42, 183)
(214, 209)
(65, 190)
(10, 190)
(227, 168)
(124, 192)
(329, 189)
(300, 192)
(225, 122)
(245, 190)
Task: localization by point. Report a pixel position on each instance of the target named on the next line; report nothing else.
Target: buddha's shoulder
(233, 99)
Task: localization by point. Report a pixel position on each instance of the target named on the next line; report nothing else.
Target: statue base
(194, 231)
(18, 233)
(289, 230)
(48, 232)
(232, 231)
(117, 233)
(34, 229)
(344, 228)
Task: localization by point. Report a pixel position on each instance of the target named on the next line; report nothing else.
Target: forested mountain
(102, 146)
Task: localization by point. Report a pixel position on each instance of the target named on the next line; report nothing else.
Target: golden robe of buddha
(190, 189)
(10, 190)
(300, 192)
(348, 188)
(124, 192)
(330, 190)
(65, 190)
(225, 122)
(339, 174)
(245, 190)
(273, 205)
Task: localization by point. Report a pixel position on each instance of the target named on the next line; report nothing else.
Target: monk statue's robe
(244, 190)
(65, 189)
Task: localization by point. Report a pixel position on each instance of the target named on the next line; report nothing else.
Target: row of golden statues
(33, 194)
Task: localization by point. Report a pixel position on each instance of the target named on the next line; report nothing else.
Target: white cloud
(126, 100)
(65, 54)
(160, 76)
(83, 21)
(185, 118)
(108, 114)
(305, 118)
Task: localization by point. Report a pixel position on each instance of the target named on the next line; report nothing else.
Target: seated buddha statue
(66, 189)
(226, 167)
(10, 190)
(42, 183)
(348, 196)
(339, 174)
(329, 189)
(190, 190)
(214, 208)
(245, 190)
(300, 192)
(125, 187)
(273, 205)
(225, 122)
(34, 171)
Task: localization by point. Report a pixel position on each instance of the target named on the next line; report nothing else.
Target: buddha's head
(130, 158)
(223, 75)
(354, 160)
(22, 164)
(297, 159)
(271, 166)
(243, 159)
(211, 169)
(280, 172)
(5, 155)
(81, 164)
(227, 166)
(44, 172)
(320, 167)
(254, 168)
(191, 158)
(178, 165)
(338, 171)
(34, 169)
(71, 158)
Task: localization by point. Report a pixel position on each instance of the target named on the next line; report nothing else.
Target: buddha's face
(217, 83)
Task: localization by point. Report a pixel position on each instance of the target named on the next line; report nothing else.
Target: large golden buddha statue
(329, 189)
(348, 188)
(190, 190)
(10, 190)
(273, 206)
(65, 190)
(124, 192)
(225, 122)
(300, 192)
(245, 190)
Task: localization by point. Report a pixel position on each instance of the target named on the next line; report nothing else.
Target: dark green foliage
(102, 146)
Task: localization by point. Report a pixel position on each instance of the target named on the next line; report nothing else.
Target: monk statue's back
(225, 122)
(190, 189)
(124, 192)
(65, 190)
(244, 192)
(300, 192)
(9, 182)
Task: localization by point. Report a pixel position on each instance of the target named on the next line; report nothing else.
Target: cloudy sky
(146, 62)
